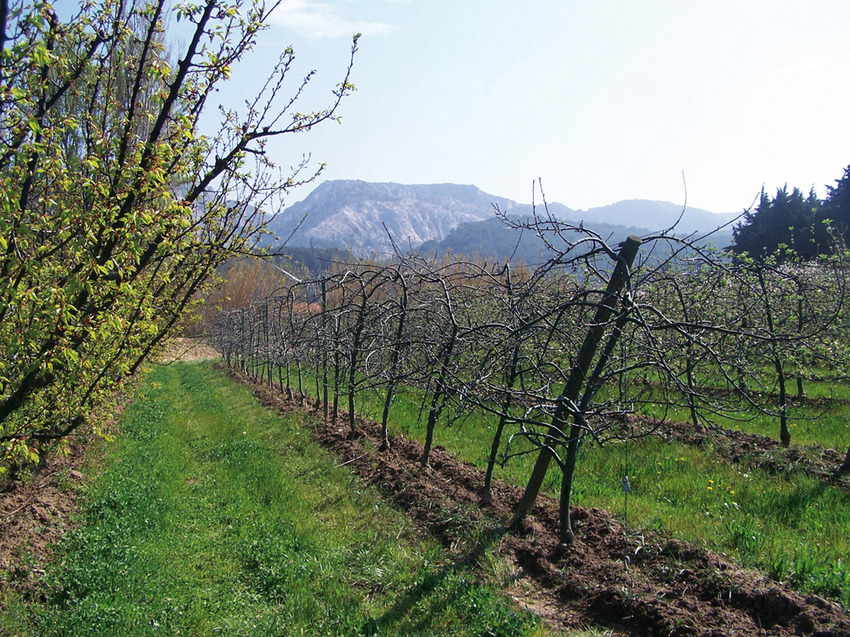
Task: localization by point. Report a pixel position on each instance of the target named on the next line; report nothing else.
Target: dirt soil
(187, 349)
(738, 447)
(636, 583)
(35, 513)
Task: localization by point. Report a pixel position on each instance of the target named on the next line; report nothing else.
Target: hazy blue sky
(604, 100)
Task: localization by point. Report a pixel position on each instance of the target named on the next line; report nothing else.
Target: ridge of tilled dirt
(739, 447)
(635, 584)
(35, 514)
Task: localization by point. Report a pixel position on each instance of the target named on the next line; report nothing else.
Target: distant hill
(492, 240)
(361, 217)
(655, 216)
(358, 215)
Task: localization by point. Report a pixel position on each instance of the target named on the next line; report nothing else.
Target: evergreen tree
(784, 223)
(835, 212)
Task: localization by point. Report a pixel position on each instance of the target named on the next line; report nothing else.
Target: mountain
(655, 216)
(492, 240)
(358, 215)
(353, 214)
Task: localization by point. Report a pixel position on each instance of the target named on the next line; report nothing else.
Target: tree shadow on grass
(454, 591)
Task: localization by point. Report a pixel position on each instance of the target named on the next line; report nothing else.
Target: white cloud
(323, 20)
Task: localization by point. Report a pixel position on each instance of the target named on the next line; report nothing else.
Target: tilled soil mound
(738, 447)
(36, 514)
(630, 584)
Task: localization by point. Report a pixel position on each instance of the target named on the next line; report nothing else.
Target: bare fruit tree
(599, 342)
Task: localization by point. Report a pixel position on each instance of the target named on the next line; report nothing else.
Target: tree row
(574, 349)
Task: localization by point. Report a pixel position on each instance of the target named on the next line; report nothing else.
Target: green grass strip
(213, 516)
(791, 525)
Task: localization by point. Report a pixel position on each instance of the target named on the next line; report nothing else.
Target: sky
(599, 101)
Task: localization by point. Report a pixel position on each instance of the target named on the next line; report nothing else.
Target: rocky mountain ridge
(368, 218)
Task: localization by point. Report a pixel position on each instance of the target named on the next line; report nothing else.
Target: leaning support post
(578, 374)
(845, 466)
(325, 349)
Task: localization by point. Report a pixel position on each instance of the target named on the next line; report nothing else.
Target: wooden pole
(578, 375)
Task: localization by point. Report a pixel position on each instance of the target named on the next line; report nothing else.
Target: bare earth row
(635, 583)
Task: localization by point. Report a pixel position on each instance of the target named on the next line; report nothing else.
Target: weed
(744, 535)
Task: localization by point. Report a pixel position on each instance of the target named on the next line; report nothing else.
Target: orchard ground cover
(727, 490)
(211, 515)
(131, 566)
(626, 579)
(820, 417)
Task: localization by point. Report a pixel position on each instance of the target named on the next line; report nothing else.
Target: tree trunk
(801, 392)
(438, 402)
(289, 391)
(784, 433)
(356, 344)
(393, 382)
(336, 384)
(487, 490)
(385, 417)
(324, 349)
(577, 433)
(300, 382)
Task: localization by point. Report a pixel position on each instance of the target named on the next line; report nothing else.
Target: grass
(827, 425)
(790, 525)
(211, 515)
(774, 522)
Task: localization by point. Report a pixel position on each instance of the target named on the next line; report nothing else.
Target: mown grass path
(212, 516)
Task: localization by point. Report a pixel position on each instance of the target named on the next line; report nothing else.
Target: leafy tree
(836, 212)
(783, 223)
(115, 210)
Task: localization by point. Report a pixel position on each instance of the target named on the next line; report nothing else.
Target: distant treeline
(793, 223)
